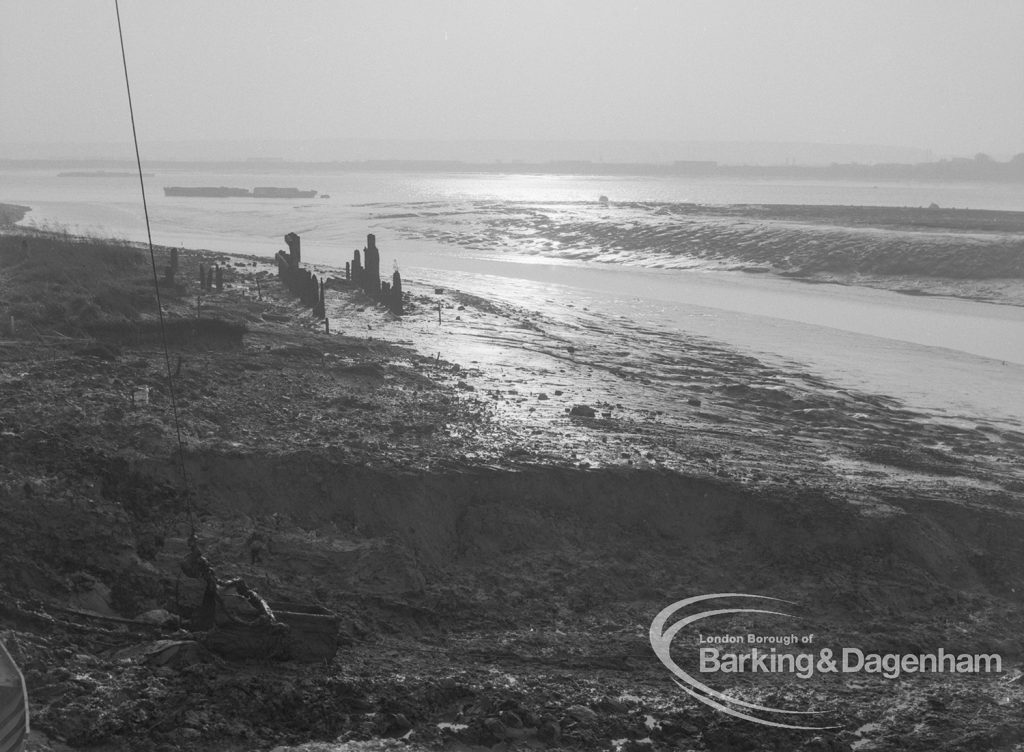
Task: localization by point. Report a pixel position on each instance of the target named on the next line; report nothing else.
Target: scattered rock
(159, 616)
(549, 732)
(583, 411)
(510, 719)
(495, 728)
(582, 713)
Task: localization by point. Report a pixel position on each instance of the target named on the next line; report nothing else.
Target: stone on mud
(583, 411)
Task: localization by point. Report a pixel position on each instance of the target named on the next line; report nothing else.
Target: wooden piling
(294, 248)
(395, 301)
(357, 268)
(371, 272)
(172, 269)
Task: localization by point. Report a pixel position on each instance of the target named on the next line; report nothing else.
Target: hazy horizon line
(653, 151)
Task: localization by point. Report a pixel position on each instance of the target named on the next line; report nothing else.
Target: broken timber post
(357, 269)
(395, 303)
(294, 248)
(371, 275)
(172, 268)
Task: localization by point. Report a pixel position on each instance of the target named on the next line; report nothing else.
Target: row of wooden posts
(209, 277)
(302, 282)
(212, 278)
(363, 272)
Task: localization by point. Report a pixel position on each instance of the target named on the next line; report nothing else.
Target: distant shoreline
(971, 170)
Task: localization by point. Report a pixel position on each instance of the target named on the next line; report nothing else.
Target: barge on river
(225, 192)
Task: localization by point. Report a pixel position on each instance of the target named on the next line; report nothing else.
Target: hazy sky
(938, 74)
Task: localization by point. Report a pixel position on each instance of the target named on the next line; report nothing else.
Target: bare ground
(496, 559)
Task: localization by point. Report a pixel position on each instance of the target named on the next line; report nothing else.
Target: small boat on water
(13, 704)
(206, 191)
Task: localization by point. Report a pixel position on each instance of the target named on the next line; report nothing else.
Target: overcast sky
(936, 74)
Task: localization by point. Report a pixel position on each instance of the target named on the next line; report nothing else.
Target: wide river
(960, 359)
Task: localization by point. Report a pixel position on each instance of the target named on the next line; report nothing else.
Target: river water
(958, 359)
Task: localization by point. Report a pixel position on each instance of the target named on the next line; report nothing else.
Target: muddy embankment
(631, 533)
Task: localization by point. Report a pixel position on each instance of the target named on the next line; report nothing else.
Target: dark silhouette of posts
(357, 269)
(371, 274)
(312, 296)
(202, 276)
(294, 248)
(363, 271)
(172, 269)
(220, 277)
(395, 294)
